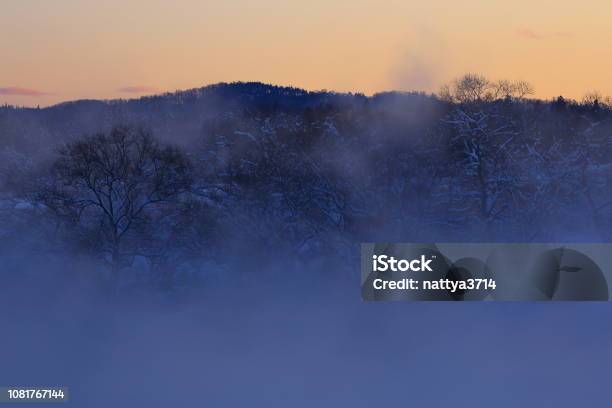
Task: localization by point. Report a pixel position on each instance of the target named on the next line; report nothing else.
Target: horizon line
(239, 82)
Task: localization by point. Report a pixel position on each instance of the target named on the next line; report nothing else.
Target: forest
(175, 191)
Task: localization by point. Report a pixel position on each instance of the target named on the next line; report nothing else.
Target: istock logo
(382, 263)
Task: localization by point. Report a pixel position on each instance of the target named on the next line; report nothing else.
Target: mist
(243, 289)
(301, 343)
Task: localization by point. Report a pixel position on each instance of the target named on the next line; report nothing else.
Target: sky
(53, 51)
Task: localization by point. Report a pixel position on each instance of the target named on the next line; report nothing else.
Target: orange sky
(57, 50)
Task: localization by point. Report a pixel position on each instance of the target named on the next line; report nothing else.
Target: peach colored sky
(57, 50)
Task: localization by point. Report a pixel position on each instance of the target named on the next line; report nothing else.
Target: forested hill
(178, 116)
(255, 167)
(183, 116)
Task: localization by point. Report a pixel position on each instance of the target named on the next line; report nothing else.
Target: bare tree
(504, 89)
(593, 98)
(474, 88)
(111, 185)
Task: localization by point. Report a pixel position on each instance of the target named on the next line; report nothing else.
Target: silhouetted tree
(113, 185)
(473, 88)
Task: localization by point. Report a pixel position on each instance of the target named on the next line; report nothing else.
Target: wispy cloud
(133, 89)
(530, 34)
(21, 91)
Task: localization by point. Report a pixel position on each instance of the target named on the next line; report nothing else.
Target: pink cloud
(21, 91)
(137, 89)
(529, 34)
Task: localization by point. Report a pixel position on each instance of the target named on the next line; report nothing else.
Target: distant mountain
(175, 116)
